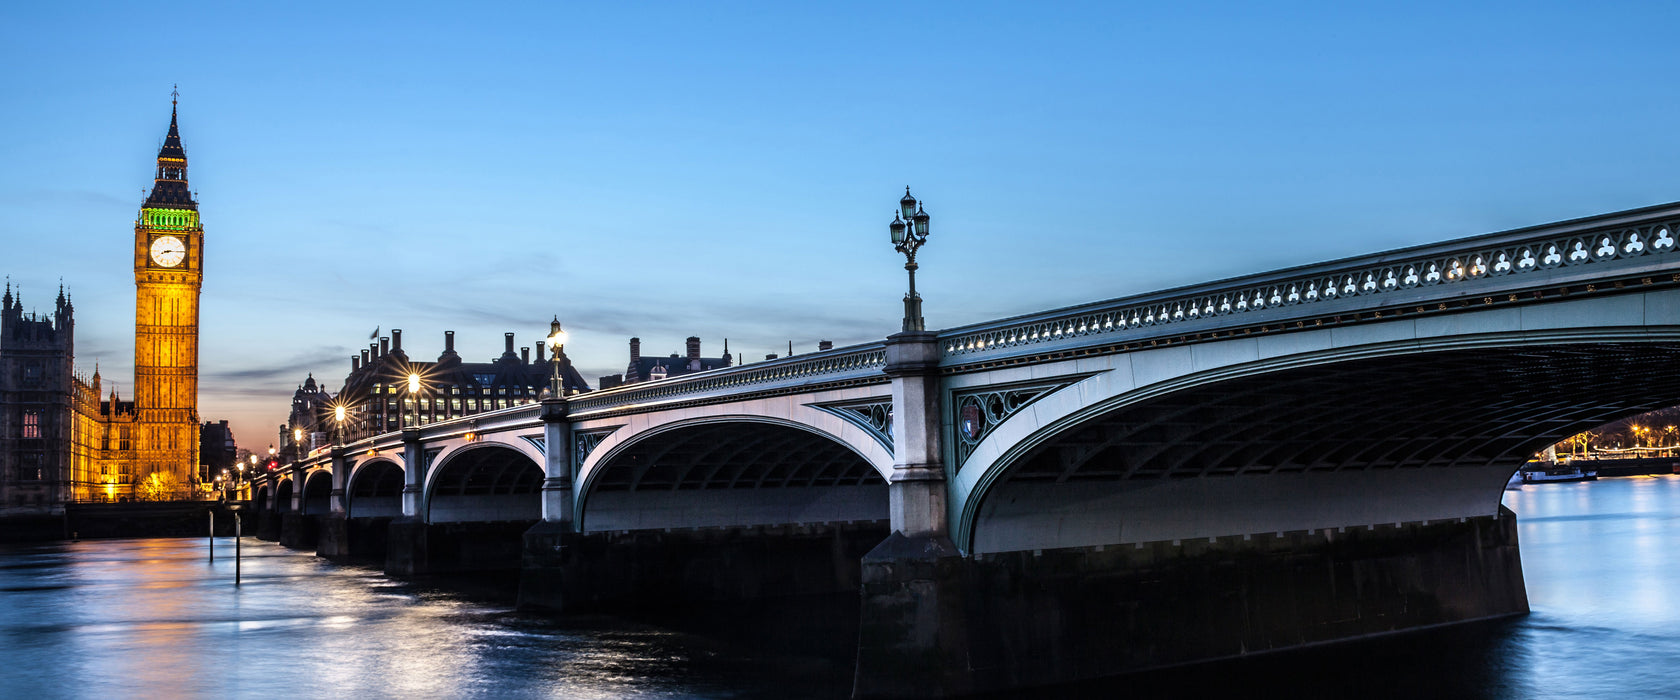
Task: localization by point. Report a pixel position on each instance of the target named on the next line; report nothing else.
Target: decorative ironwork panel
(977, 413)
(537, 441)
(874, 417)
(584, 443)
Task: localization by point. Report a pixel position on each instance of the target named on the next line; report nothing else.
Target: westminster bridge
(1282, 459)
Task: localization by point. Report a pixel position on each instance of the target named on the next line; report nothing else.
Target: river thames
(153, 618)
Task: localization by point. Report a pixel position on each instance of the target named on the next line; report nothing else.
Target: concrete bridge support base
(268, 526)
(365, 538)
(333, 540)
(298, 531)
(641, 570)
(937, 624)
(415, 547)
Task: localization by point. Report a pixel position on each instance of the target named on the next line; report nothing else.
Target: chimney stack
(525, 356)
(355, 363)
(365, 355)
(508, 344)
(693, 348)
(449, 341)
(396, 340)
(825, 345)
(540, 358)
(384, 346)
(635, 351)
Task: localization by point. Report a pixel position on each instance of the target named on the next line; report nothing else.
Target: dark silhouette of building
(647, 369)
(376, 395)
(216, 450)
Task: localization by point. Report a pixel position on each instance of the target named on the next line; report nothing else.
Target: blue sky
(728, 170)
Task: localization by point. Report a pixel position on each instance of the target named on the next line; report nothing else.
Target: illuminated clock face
(168, 251)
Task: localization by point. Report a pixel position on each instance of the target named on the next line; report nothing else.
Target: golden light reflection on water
(155, 618)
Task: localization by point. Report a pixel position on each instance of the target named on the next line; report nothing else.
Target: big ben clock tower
(168, 272)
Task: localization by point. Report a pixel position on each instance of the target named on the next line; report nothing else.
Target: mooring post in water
(236, 549)
(212, 540)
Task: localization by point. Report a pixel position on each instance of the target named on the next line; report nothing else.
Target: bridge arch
(488, 481)
(317, 492)
(726, 471)
(374, 490)
(283, 496)
(1166, 444)
(262, 501)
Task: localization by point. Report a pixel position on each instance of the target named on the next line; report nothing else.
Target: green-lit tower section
(168, 273)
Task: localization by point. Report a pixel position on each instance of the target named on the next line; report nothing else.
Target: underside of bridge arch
(486, 484)
(767, 521)
(375, 491)
(1394, 439)
(283, 497)
(317, 493)
(260, 500)
(732, 474)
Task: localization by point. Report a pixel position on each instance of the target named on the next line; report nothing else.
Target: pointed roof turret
(170, 190)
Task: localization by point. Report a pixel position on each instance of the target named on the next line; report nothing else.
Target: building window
(31, 424)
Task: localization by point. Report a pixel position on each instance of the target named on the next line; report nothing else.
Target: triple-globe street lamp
(910, 232)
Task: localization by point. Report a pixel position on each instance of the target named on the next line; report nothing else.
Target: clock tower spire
(168, 273)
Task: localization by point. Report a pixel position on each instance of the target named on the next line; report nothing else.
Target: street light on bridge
(556, 346)
(909, 232)
(414, 395)
(339, 414)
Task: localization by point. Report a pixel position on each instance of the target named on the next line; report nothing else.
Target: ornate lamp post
(556, 346)
(414, 395)
(339, 414)
(297, 445)
(910, 232)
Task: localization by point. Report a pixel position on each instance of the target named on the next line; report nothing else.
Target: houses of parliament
(63, 435)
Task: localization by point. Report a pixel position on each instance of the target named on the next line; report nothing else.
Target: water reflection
(152, 618)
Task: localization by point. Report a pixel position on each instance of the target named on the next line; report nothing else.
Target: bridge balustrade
(859, 361)
(1524, 257)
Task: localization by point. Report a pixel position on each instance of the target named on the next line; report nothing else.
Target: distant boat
(1537, 472)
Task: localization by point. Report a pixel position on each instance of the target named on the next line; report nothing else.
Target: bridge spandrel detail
(1605, 248)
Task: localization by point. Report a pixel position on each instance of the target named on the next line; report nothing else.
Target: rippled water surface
(153, 618)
